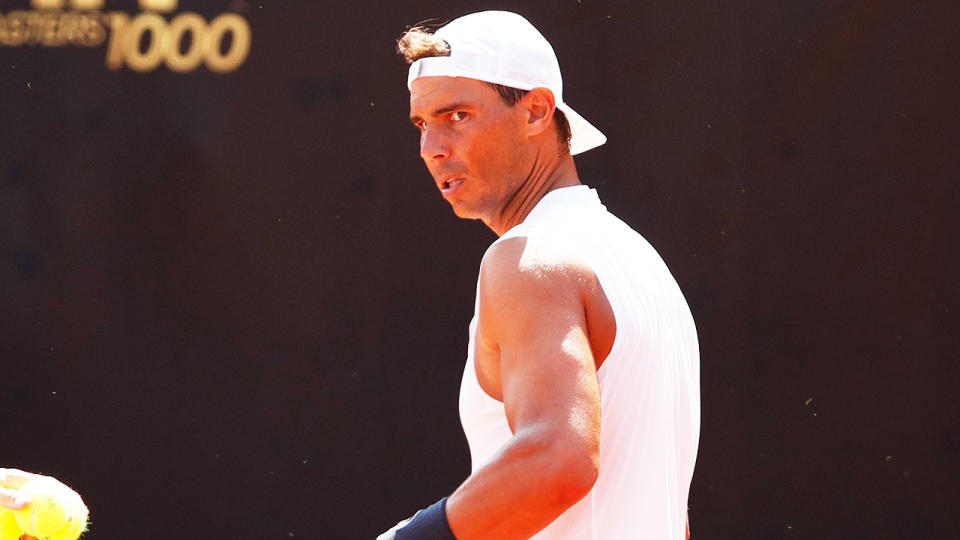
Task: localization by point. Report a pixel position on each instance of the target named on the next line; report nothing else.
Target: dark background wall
(234, 306)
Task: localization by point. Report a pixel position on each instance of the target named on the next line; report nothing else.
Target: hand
(11, 480)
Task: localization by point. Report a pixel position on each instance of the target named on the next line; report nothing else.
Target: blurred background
(233, 305)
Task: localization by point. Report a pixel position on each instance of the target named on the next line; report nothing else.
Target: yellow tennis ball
(9, 528)
(48, 511)
(76, 523)
(71, 532)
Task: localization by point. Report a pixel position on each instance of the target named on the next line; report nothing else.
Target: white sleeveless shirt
(649, 383)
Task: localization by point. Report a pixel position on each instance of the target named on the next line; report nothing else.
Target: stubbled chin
(462, 210)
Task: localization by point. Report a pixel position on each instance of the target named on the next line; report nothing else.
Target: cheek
(495, 149)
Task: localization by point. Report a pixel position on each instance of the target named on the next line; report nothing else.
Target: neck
(546, 175)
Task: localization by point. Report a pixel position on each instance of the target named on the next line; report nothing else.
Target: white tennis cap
(504, 48)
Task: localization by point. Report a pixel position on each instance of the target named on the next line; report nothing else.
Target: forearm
(530, 482)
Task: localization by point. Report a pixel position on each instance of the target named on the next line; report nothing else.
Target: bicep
(548, 378)
(537, 323)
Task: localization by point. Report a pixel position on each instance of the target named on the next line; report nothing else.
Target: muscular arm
(535, 355)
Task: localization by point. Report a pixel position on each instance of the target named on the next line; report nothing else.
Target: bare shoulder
(528, 283)
(535, 262)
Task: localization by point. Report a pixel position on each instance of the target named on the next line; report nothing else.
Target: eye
(458, 116)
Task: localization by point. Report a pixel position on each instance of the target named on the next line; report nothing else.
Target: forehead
(432, 92)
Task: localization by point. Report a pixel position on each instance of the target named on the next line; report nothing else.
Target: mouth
(451, 183)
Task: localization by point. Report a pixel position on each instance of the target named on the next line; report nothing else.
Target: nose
(433, 146)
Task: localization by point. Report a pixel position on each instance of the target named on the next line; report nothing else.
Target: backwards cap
(504, 48)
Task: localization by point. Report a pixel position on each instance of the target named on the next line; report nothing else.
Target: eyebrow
(444, 110)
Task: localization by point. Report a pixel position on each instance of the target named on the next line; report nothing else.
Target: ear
(539, 105)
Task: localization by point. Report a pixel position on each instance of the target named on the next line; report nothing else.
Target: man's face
(472, 143)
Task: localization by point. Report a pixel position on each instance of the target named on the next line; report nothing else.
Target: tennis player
(580, 396)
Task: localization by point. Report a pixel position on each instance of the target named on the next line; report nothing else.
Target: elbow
(579, 480)
(575, 474)
(564, 466)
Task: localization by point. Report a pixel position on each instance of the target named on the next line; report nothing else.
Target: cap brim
(583, 135)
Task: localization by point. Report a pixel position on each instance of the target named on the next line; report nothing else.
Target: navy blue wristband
(428, 524)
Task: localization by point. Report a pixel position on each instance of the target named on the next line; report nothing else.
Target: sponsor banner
(158, 36)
